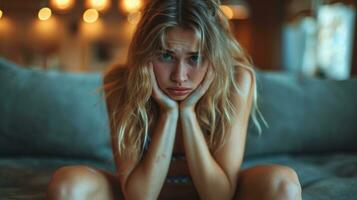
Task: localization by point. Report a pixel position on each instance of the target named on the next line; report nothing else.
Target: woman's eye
(195, 59)
(166, 57)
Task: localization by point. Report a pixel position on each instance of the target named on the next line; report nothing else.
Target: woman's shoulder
(245, 80)
(245, 74)
(245, 71)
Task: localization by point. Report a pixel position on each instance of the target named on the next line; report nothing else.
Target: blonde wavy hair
(132, 112)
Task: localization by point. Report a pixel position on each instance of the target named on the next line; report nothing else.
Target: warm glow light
(62, 4)
(7, 28)
(99, 5)
(240, 12)
(228, 12)
(92, 31)
(0, 14)
(44, 30)
(90, 15)
(134, 17)
(44, 14)
(131, 5)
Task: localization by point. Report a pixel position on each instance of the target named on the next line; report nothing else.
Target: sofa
(50, 119)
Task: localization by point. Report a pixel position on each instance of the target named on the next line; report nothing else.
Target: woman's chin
(178, 98)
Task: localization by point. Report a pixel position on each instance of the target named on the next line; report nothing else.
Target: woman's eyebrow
(189, 53)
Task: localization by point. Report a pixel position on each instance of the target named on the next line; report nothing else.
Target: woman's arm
(143, 179)
(209, 179)
(149, 176)
(147, 179)
(215, 176)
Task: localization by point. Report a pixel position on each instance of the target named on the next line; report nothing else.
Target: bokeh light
(228, 12)
(131, 5)
(91, 15)
(62, 4)
(100, 5)
(44, 14)
(240, 12)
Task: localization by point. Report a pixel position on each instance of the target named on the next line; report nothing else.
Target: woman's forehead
(181, 40)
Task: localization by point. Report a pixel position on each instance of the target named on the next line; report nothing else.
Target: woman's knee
(74, 182)
(269, 182)
(287, 184)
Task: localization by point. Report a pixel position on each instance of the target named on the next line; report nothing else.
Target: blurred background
(308, 37)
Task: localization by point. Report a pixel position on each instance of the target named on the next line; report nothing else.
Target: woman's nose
(179, 74)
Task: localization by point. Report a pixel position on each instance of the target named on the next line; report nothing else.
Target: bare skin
(217, 176)
(263, 182)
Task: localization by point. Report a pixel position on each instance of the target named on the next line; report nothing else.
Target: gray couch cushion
(323, 177)
(28, 177)
(304, 115)
(67, 116)
(52, 113)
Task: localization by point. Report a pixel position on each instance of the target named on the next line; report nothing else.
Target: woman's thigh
(270, 181)
(83, 182)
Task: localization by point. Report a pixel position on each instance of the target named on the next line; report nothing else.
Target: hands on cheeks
(165, 102)
(190, 102)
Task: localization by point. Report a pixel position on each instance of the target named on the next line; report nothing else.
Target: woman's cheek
(200, 74)
(162, 75)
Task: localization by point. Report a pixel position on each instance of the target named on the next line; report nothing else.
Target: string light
(100, 5)
(91, 15)
(131, 5)
(44, 14)
(240, 12)
(62, 4)
(228, 12)
(235, 9)
(1, 13)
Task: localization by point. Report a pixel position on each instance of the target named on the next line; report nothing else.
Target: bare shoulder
(230, 155)
(245, 80)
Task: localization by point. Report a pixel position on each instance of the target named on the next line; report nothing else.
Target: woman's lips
(179, 91)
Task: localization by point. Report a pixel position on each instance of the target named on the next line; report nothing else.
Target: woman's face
(180, 69)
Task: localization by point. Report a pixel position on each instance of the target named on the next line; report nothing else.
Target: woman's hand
(165, 102)
(190, 102)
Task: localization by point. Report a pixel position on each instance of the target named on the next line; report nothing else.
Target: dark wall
(260, 35)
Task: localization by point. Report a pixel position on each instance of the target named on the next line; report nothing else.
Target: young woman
(179, 114)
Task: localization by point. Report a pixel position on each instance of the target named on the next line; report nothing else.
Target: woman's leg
(268, 182)
(82, 182)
